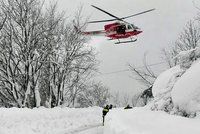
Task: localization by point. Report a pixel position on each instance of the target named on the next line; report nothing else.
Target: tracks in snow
(93, 129)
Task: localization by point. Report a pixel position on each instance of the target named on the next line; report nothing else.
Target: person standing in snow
(105, 111)
(110, 107)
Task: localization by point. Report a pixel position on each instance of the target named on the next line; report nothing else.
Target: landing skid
(126, 41)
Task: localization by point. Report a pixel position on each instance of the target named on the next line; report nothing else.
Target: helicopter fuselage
(121, 30)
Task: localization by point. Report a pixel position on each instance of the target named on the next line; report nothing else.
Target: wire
(125, 70)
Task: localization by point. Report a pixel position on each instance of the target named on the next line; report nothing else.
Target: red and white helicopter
(119, 29)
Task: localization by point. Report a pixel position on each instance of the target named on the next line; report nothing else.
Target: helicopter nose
(137, 28)
(138, 32)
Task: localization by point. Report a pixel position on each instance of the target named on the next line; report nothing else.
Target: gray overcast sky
(160, 28)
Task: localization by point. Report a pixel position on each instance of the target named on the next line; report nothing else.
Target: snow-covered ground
(144, 121)
(89, 121)
(49, 121)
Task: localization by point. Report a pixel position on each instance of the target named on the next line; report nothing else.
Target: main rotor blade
(123, 17)
(116, 18)
(101, 21)
(138, 13)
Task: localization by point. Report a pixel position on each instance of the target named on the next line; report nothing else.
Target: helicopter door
(121, 29)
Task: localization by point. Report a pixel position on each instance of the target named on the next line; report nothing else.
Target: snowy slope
(48, 121)
(143, 121)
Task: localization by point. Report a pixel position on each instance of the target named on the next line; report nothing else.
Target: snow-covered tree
(97, 95)
(42, 56)
(135, 99)
(188, 39)
(126, 99)
(116, 99)
(21, 51)
(144, 75)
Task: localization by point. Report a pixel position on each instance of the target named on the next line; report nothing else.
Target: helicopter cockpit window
(133, 26)
(129, 27)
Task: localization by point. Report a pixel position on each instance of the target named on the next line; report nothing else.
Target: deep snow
(48, 121)
(177, 90)
(186, 91)
(88, 121)
(143, 121)
(166, 80)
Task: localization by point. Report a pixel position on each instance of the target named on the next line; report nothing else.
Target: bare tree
(126, 99)
(69, 66)
(116, 99)
(144, 75)
(97, 95)
(135, 98)
(101, 94)
(188, 39)
(20, 48)
(3, 21)
(166, 55)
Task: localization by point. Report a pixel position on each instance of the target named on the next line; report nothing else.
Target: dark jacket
(110, 107)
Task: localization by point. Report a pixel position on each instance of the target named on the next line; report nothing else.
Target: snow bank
(162, 88)
(166, 80)
(142, 121)
(186, 91)
(178, 89)
(47, 121)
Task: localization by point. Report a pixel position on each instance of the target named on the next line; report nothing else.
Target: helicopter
(120, 29)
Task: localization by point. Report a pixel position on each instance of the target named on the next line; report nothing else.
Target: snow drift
(143, 121)
(186, 91)
(47, 121)
(162, 89)
(165, 81)
(178, 88)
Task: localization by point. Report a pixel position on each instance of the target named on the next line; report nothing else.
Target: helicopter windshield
(129, 27)
(133, 26)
